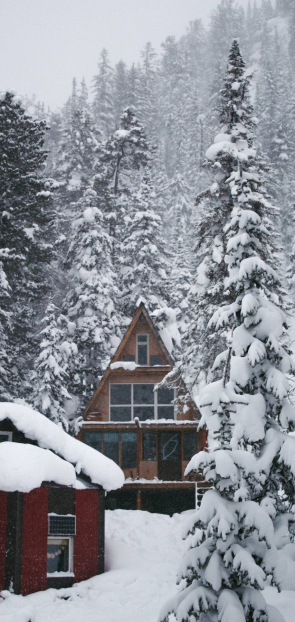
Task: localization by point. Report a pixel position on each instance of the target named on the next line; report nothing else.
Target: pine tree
(103, 95)
(200, 345)
(143, 258)
(234, 547)
(51, 369)
(5, 395)
(92, 302)
(27, 231)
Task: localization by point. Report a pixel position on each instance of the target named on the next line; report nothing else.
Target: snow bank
(48, 435)
(24, 467)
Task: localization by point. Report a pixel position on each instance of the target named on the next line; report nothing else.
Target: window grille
(61, 525)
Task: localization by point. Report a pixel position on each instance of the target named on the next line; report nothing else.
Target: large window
(120, 446)
(189, 444)
(128, 450)
(128, 401)
(149, 446)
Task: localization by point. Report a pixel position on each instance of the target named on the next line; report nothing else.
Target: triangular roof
(141, 310)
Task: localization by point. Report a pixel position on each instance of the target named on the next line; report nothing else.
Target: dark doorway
(169, 456)
(167, 501)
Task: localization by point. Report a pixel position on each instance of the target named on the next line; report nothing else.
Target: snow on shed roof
(100, 469)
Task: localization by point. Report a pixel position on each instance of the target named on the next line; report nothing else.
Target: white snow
(143, 553)
(48, 435)
(131, 365)
(24, 467)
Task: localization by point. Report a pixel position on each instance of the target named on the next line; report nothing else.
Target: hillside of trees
(115, 199)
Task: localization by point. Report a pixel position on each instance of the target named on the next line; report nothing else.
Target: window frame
(132, 404)
(70, 572)
(8, 434)
(148, 349)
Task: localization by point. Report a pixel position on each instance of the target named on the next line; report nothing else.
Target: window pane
(165, 412)
(149, 446)
(58, 555)
(128, 450)
(111, 445)
(128, 358)
(120, 393)
(165, 396)
(120, 413)
(189, 445)
(93, 439)
(156, 359)
(142, 354)
(142, 338)
(144, 412)
(170, 446)
(143, 394)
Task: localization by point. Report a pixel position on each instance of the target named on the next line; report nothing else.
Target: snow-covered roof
(73, 457)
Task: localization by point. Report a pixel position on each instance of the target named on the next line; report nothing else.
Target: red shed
(52, 495)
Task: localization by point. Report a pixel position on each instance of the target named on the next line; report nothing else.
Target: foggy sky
(45, 43)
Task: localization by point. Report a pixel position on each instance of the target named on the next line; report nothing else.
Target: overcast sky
(45, 43)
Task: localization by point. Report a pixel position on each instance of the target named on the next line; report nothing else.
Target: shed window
(149, 446)
(59, 555)
(129, 358)
(142, 346)
(128, 450)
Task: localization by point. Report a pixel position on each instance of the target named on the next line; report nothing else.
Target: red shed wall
(86, 539)
(3, 518)
(34, 544)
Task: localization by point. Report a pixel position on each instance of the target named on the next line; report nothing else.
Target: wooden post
(138, 501)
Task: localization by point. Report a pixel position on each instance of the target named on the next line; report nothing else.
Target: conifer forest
(115, 199)
(171, 182)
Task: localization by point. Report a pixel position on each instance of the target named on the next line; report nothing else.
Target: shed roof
(72, 457)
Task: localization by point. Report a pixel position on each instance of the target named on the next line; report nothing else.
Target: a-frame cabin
(140, 428)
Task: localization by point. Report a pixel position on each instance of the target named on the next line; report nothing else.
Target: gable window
(142, 349)
(5, 436)
(128, 401)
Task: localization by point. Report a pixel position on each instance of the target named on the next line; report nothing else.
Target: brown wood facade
(152, 450)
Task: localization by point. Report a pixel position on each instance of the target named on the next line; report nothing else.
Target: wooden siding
(86, 551)
(34, 545)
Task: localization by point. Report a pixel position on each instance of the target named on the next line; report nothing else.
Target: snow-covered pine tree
(51, 369)
(103, 95)
(92, 302)
(27, 231)
(5, 395)
(234, 544)
(200, 344)
(143, 259)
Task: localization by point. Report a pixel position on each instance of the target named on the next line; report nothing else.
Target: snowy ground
(143, 552)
